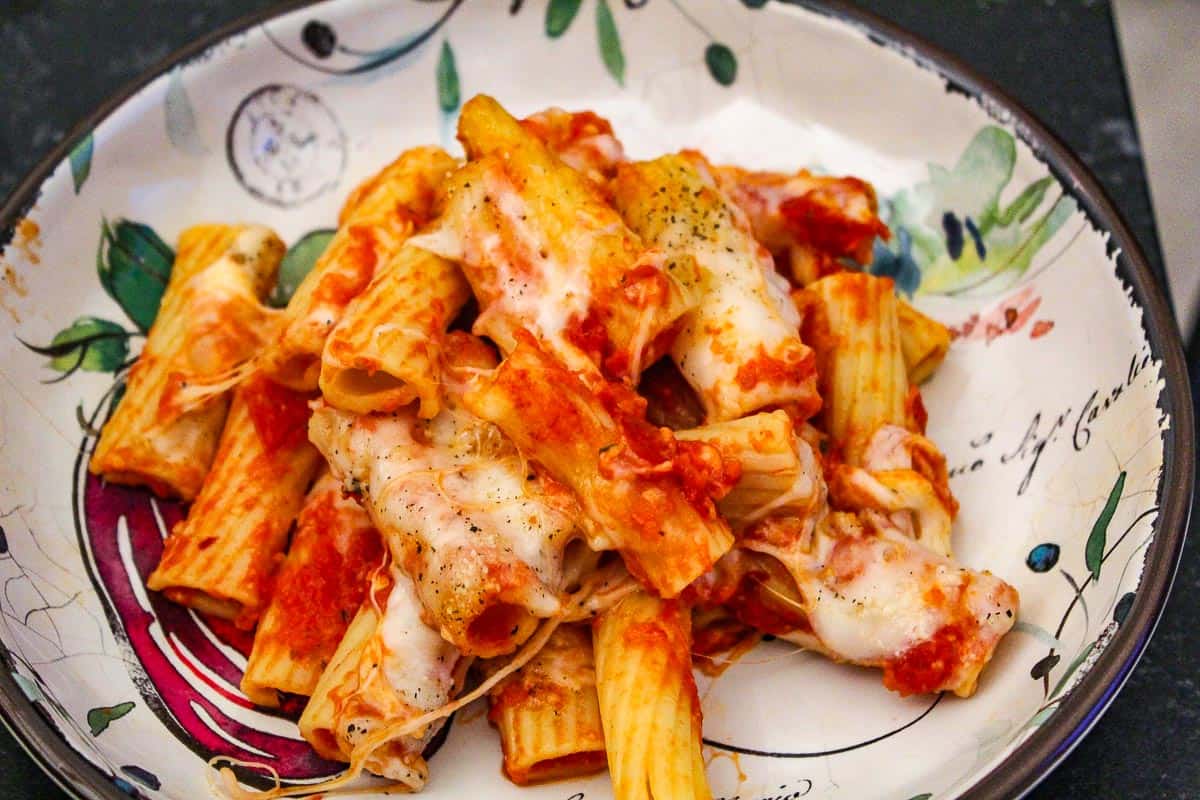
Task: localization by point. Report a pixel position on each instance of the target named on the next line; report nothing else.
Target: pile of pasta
(553, 427)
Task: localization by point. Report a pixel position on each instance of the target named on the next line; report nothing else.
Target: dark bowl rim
(1029, 763)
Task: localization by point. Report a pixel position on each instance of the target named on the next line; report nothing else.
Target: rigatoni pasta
(642, 493)
(544, 253)
(548, 712)
(386, 351)
(209, 320)
(375, 221)
(740, 347)
(681, 401)
(317, 591)
(648, 700)
(924, 342)
(389, 667)
(220, 559)
(856, 332)
(482, 536)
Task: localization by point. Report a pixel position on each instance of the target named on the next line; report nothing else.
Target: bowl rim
(1019, 772)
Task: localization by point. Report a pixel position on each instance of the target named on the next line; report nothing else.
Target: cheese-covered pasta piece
(386, 351)
(924, 342)
(854, 327)
(318, 589)
(548, 714)
(903, 476)
(814, 221)
(389, 667)
(583, 141)
(868, 594)
(209, 320)
(376, 219)
(220, 559)
(740, 347)
(482, 535)
(643, 493)
(648, 700)
(544, 252)
(780, 474)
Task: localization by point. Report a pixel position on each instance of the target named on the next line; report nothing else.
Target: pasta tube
(548, 714)
(385, 353)
(815, 221)
(544, 252)
(375, 221)
(318, 589)
(482, 535)
(855, 330)
(740, 347)
(924, 342)
(582, 140)
(648, 700)
(868, 594)
(209, 320)
(779, 474)
(643, 493)
(221, 558)
(903, 475)
(389, 667)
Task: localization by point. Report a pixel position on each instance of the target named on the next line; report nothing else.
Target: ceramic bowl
(1062, 407)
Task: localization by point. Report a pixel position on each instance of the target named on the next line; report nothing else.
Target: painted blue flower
(897, 264)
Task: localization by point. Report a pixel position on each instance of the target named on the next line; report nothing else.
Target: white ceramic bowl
(1062, 408)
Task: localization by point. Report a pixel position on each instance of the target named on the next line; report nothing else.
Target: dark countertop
(62, 57)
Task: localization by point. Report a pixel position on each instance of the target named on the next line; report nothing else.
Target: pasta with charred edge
(549, 428)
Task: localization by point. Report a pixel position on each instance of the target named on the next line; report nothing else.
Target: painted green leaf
(610, 42)
(1040, 717)
(179, 117)
(722, 63)
(760, 4)
(101, 717)
(134, 266)
(448, 91)
(1121, 610)
(81, 161)
(924, 796)
(1074, 665)
(559, 15)
(297, 262)
(1042, 668)
(1025, 204)
(1097, 540)
(91, 344)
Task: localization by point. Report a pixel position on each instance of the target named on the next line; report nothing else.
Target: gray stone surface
(60, 58)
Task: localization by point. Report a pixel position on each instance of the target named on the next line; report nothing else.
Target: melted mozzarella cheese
(418, 663)
(457, 486)
(888, 449)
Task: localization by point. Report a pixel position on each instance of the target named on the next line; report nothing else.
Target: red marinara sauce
(927, 667)
(280, 415)
(817, 218)
(315, 600)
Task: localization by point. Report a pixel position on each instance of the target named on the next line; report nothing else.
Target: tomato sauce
(280, 415)
(317, 596)
(928, 666)
(818, 218)
(355, 265)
